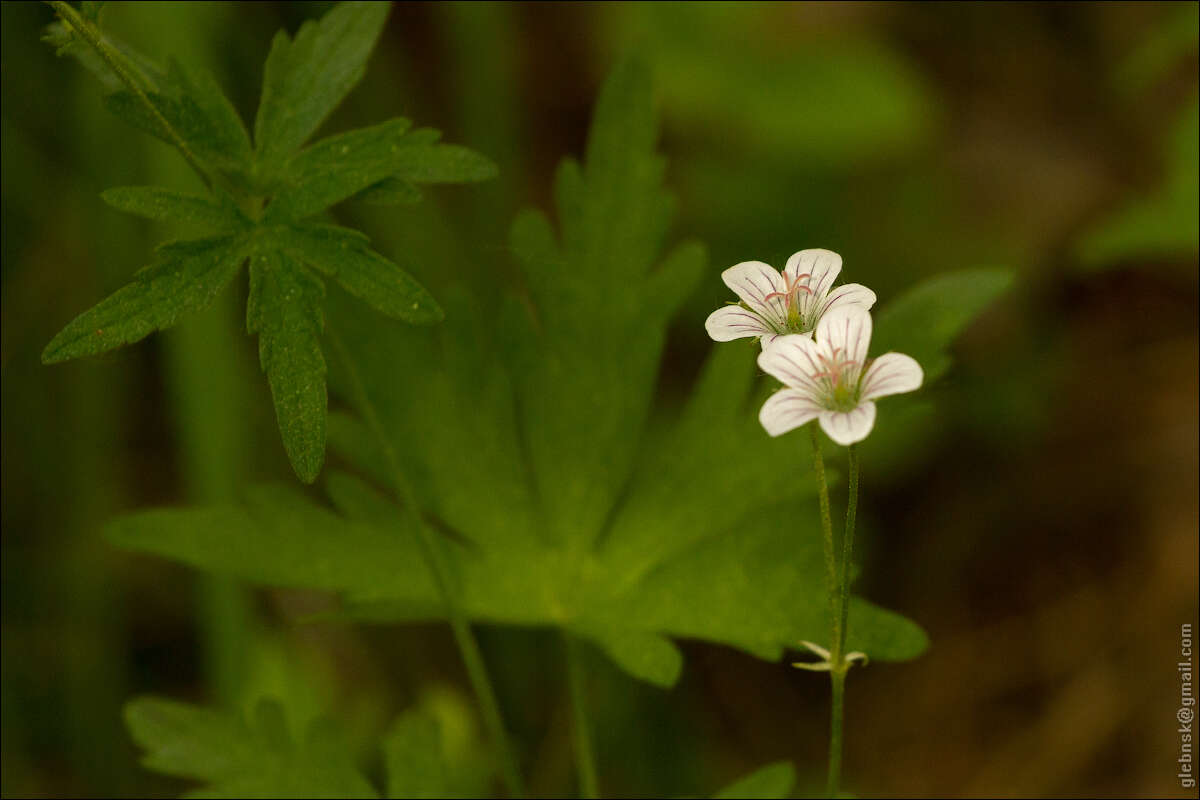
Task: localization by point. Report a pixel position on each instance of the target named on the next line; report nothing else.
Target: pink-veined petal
(848, 294)
(846, 330)
(794, 360)
(734, 322)
(768, 339)
(891, 373)
(754, 283)
(787, 410)
(822, 268)
(848, 427)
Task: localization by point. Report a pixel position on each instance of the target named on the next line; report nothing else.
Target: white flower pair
(815, 341)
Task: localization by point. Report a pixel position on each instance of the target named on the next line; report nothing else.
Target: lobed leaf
(196, 108)
(285, 310)
(336, 168)
(185, 279)
(343, 255)
(391, 191)
(278, 537)
(236, 759)
(153, 202)
(425, 760)
(306, 78)
(565, 513)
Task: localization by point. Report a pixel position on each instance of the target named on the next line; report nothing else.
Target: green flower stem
(431, 551)
(837, 570)
(584, 758)
(116, 62)
(837, 677)
(826, 523)
(839, 645)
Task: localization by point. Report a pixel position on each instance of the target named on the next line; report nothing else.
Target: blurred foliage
(1013, 507)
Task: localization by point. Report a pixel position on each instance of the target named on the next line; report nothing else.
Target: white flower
(773, 305)
(831, 379)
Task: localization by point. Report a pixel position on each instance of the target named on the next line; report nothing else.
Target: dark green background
(1044, 531)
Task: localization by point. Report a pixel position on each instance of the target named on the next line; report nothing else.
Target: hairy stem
(826, 523)
(837, 678)
(431, 551)
(838, 666)
(847, 552)
(116, 62)
(584, 758)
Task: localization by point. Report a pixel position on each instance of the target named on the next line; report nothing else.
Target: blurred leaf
(422, 762)
(304, 81)
(1164, 223)
(528, 443)
(924, 321)
(797, 96)
(769, 782)
(90, 9)
(236, 759)
(279, 537)
(1166, 45)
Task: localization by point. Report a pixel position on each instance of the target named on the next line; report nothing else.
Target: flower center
(840, 377)
(795, 313)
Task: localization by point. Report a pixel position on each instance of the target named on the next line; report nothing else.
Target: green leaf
(423, 758)
(337, 167)
(234, 758)
(1164, 222)
(278, 537)
(390, 192)
(347, 164)
(924, 321)
(192, 102)
(285, 310)
(304, 81)
(152, 202)
(344, 255)
(90, 9)
(526, 441)
(429, 162)
(646, 656)
(184, 279)
(766, 783)
(306, 78)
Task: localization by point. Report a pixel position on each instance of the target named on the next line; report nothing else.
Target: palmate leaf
(232, 756)
(527, 439)
(236, 758)
(288, 256)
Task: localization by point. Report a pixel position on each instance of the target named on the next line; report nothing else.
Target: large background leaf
(528, 446)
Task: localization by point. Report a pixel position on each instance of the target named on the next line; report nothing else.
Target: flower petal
(753, 282)
(794, 360)
(787, 410)
(821, 267)
(891, 373)
(848, 427)
(847, 331)
(734, 322)
(848, 294)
